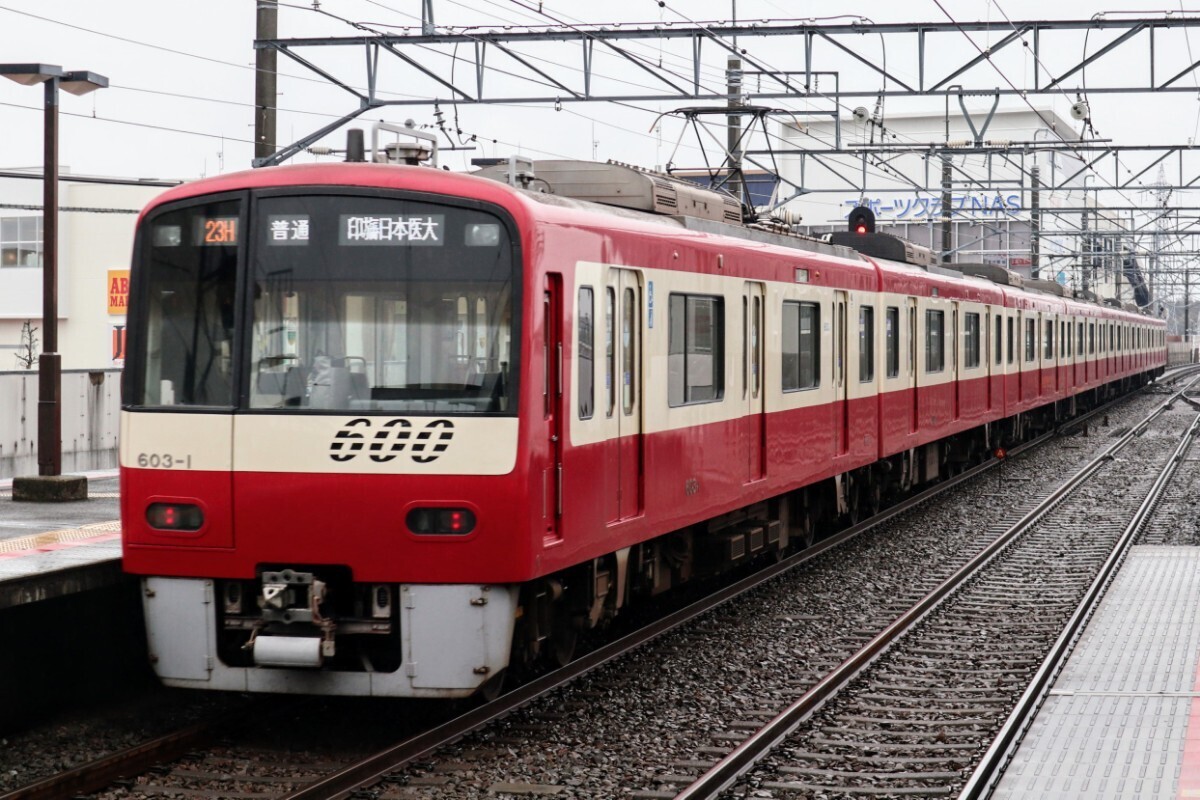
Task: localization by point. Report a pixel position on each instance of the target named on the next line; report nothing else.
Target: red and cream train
(390, 430)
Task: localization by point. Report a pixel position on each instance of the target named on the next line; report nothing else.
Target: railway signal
(862, 220)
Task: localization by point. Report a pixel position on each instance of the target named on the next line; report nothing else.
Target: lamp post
(50, 484)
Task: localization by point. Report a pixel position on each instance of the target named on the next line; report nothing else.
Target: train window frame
(586, 346)
(866, 344)
(808, 346)
(683, 328)
(892, 341)
(971, 340)
(935, 351)
(1030, 340)
(1048, 341)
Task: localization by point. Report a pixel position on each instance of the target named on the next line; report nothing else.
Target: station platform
(51, 550)
(1123, 718)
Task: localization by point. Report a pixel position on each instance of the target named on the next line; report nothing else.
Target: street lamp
(50, 484)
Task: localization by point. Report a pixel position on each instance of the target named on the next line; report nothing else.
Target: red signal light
(861, 229)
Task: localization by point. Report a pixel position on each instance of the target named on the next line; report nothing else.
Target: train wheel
(563, 640)
(873, 494)
(850, 487)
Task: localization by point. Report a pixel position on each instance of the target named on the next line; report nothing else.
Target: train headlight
(441, 521)
(174, 517)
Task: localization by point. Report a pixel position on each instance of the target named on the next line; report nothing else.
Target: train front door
(623, 321)
(753, 428)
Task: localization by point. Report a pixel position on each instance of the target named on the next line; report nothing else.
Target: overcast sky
(182, 82)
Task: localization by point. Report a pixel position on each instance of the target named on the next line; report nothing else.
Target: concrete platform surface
(1123, 718)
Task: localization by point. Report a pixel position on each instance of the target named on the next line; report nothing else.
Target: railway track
(230, 773)
(916, 706)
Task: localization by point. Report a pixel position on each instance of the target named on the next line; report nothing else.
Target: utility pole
(265, 94)
(1035, 221)
(1187, 303)
(947, 203)
(1086, 241)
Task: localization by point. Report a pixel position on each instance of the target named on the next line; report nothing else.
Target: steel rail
(761, 743)
(99, 774)
(1004, 746)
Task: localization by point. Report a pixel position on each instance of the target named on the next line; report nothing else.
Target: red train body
(389, 430)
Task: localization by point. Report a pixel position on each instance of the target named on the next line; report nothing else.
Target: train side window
(629, 311)
(695, 349)
(1048, 349)
(610, 355)
(999, 338)
(801, 346)
(1066, 340)
(1011, 339)
(1079, 338)
(935, 341)
(587, 358)
(1030, 340)
(756, 346)
(866, 344)
(1091, 338)
(892, 323)
(971, 344)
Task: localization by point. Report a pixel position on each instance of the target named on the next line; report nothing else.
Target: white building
(96, 224)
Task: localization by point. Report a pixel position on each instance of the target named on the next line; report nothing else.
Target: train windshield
(190, 258)
(374, 303)
(354, 303)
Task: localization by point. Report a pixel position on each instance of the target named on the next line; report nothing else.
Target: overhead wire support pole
(265, 80)
(733, 122)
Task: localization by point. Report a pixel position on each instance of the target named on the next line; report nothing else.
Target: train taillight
(441, 521)
(174, 517)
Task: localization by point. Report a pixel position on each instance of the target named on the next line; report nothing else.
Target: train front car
(319, 446)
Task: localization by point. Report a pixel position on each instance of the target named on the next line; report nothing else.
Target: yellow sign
(118, 291)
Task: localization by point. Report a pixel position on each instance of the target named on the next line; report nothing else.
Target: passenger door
(952, 340)
(841, 406)
(552, 396)
(914, 420)
(624, 376)
(753, 432)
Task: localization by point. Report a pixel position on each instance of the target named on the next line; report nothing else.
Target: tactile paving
(83, 533)
(1116, 722)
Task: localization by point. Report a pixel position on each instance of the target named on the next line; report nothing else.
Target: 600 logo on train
(349, 442)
